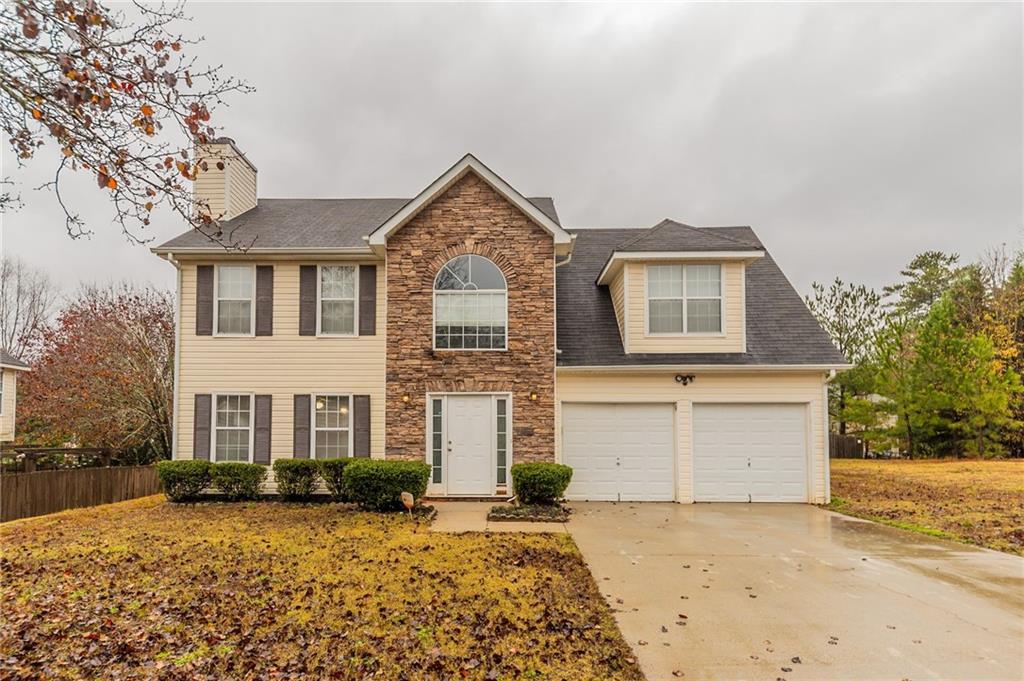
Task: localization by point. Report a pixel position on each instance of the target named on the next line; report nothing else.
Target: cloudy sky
(849, 136)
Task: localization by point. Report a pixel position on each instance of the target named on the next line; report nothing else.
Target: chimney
(227, 188)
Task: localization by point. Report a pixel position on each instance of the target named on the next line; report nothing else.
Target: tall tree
(118, 98)
(925, 279)
(27, 297)
(851, 315)
(105, 374)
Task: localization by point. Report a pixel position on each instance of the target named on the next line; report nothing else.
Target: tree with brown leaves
(118, 97)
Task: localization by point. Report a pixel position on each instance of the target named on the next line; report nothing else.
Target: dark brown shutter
(204, 300)
(301, 421)
(264, 300)
(367, 300)
(201, 428)
(307, 300)
(261, 428)
(361, 422)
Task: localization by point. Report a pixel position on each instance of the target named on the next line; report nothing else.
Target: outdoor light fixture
(405, 398)
(685, 379)
(533, 397)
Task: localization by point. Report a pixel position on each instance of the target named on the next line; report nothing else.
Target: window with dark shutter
(307, 300)
(367, 300)
(261, 434)
(361, 424)
(201, 428)
(264, 300)
(301, 426)
(204, 300)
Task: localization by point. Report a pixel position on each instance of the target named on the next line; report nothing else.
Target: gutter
(177, 355)
(832, 368)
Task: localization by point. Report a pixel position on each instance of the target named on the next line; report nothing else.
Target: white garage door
(619, 452)
(749, 452)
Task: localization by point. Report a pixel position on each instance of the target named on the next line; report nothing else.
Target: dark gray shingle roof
(669, 235)
(7, 359)
(311, 223)
(780, 328)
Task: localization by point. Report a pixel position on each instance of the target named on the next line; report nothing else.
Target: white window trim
(442, 487)
(216, 303)
(312, 422)
(213, 425)
(433, 320)
(355, 301)
(2, 375)
(686, 333)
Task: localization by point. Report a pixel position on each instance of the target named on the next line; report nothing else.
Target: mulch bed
(533, 514)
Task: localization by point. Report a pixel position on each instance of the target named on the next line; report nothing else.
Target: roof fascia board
(272, 253)
(618, 257)
(711, 368)
(14, 367)
(468, 163)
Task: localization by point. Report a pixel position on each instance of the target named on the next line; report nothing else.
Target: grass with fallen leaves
(147, 589)
(976, 502)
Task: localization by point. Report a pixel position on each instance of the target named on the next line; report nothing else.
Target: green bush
(540, 483)
(183, 480)
(296, 478)
(238, 481)
(378, 485)
(332, 471)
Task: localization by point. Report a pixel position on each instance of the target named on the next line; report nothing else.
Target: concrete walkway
(785, 591)
(471, 516)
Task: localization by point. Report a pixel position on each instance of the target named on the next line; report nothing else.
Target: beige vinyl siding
(618, 291)
(733, 315)
(281, 365)
(209, 187)
(7, 410)
(241, 187)
(804, 387)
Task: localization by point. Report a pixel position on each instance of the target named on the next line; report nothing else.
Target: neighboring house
(10, 366)
(468, 328)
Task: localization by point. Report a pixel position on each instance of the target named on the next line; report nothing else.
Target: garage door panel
(620, 451)
(754, 452)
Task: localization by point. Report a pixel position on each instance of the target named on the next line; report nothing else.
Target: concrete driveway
(794, 592)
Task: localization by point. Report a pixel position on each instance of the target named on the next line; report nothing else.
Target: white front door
(750, 452)
(619, 452)
(470, 445)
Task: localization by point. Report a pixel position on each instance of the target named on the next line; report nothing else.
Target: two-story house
(466, 327)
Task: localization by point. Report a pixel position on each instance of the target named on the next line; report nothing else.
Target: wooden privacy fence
(24, 495)
(846, 446)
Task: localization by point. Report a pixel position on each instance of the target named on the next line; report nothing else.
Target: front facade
(467, 328)
(10, 368)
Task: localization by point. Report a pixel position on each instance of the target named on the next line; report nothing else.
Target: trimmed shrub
(296, 478)
(540, 483)
(332, 471)
(378, 485)
(238, 481)
(183, 480)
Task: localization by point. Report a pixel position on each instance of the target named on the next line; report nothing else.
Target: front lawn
(147, 589)
(977, 502)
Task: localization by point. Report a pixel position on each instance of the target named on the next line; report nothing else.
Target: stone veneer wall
(471, 218)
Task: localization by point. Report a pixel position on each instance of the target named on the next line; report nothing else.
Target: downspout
(177, 355)
(558, 351)
(828, 453)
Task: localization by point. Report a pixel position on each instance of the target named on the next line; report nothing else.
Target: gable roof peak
(469, 163)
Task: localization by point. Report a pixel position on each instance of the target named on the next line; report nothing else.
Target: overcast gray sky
(849, 136)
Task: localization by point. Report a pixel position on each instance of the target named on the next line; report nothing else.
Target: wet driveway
(763, 591)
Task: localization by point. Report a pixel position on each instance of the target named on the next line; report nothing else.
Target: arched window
(470, 305)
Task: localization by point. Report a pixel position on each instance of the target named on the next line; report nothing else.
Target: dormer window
(470, 305)
(684, 299)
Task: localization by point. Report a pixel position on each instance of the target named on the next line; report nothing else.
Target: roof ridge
(649, 231)
(730, 238)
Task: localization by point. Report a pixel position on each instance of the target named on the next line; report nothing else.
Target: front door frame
(441, 488)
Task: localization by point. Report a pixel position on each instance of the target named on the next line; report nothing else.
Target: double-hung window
(235, 289)
(684, 299)
(470, 305)
(332, 426)
(232, 428)
(337, 294)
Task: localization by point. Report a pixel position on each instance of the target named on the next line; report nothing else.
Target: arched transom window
(470, 305)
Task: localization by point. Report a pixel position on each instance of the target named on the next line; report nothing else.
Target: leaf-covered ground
(147, 589)
(977, 502)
